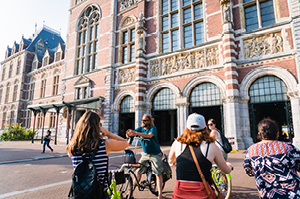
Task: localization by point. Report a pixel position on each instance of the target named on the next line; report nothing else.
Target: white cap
(195, 122)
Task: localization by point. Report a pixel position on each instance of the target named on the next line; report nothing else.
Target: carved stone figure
(164, 67)
(126, 75)
(127, 3)
(174, 64)
(247, 49)
(154, 68)
(279, 43)
(227, 13)
(199, 60)
(189, 60)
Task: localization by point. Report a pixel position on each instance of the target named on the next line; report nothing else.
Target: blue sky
(18, 17)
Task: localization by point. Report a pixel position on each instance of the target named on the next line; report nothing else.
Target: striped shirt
(100, 161)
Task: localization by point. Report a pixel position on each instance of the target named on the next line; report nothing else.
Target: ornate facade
(236, 61)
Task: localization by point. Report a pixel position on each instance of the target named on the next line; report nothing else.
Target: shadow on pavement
(243, 192)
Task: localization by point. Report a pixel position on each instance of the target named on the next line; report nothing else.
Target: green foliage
(16, 132)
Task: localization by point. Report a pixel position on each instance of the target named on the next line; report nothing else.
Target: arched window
(164, 100)
(205, 94)
(18, 66)
(12, 116)
(1, 93)
(268, 89)
(7, 92)
(52, 120)
(15, 92)
(10, 70)
(4, 117)
(31, 89)
(3, 73)
(127, 105)
(45, 60)
(27, 119)
(87, 40)
(55, 85)
(43, 86)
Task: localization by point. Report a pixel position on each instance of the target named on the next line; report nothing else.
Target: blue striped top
(100, 161)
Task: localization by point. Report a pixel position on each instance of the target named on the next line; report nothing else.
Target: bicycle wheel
(223, 181)
(153, 186)
(126, 188)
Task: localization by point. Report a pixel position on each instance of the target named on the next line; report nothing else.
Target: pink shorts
(191, 190)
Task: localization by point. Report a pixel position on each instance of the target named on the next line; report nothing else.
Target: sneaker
(52, 150)
(42, 152)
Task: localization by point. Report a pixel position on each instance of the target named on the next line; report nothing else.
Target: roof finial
(35, 26)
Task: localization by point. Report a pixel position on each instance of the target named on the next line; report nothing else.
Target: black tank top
(186, 168)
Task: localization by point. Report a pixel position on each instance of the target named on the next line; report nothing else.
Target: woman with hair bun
(273, 163)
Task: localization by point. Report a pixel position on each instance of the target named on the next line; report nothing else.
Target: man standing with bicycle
(151, 150)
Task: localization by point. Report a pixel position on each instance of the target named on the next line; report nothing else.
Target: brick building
(235, 61)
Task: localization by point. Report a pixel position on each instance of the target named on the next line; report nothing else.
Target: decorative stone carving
(126, 75)
(184, 61)
(128, 3)
(128, 21)
(263, 45)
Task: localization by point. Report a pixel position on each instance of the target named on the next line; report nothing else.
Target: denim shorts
(156, 163)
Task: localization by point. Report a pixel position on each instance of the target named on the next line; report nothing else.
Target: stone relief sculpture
(184, 61)
(263, 45)
(126, 75)
(127, 3)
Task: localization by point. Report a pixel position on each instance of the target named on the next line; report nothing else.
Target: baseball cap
(195, 122)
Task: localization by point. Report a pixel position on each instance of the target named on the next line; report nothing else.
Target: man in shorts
(151, 149)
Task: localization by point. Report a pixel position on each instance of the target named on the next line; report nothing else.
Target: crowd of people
(273, 163)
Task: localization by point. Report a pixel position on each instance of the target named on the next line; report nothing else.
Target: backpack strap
(207, 150)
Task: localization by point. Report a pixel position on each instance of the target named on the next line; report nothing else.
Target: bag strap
(200, 173)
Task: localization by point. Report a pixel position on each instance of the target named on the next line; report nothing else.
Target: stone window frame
(4, 115)
(55, 84)
(27, 119)
(15, 91)
(87, 40)
(31, 89)
(46, 60)
(18, 66)
(52, 119)
(1, 93)
(43, 86)
(12, 115)
(35, 63)
(7, 92)
(10, 69)
(39, 120)
(82, 91)
(180, 24)
(127, 44)
(257, 3)
(3, 73)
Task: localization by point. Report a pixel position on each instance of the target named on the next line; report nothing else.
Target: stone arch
(83, 12)
(16, 81)
(201, 79)
(283, 74)
(153, 90)
(120, 97)
(127, 21)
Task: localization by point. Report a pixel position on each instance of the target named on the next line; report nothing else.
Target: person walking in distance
(151, 149)
(215, 133)
(189, 183)
(47, 139)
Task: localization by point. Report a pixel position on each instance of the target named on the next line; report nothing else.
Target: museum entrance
(205, 99)
(268, 99)
(165, 116)
(127, 116)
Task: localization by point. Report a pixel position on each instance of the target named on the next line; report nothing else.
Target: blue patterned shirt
(274, 165)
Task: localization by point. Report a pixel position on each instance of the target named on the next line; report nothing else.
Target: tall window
(3, 73)
(190, 15)
(258, 13)
(27, 119)
(128, 45)
(164, 100)
(1, 93)
(43, 88)
(82, 93)
(7, 92)
(40, 120)
(18, 66)
(4, 118)
(31, 89)
(87, 41)
(12, 116)
(52, 120)
(57, 56)
(10, 70)
(127, 105)
(55, 85)
(35, 64)
(15, 92)
(46, 61)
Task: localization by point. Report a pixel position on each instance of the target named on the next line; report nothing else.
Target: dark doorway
(126, 121)
(278, 111)
(211, 112)
(78, 115)
(166, 124)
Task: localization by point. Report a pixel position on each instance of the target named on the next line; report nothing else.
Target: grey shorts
(156, 163)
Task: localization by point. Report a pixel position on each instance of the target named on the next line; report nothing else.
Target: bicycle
(223, 181)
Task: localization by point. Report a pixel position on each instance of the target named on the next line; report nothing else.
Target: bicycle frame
(222, 180)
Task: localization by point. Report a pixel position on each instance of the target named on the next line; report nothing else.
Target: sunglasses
(145, 120)
(210, 124)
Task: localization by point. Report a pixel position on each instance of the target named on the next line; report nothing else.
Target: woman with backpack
(89, 139)
(215, 133)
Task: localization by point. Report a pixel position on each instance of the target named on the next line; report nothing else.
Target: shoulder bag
(220, 195)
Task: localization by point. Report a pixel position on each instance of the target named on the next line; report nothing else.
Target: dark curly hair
(268, 130)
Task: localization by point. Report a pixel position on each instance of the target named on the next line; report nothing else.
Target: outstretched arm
(115, 143)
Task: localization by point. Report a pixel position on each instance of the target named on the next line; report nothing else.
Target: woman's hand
(104, 131)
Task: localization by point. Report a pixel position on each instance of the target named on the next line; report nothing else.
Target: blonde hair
(195, 137)
(86, 134)
(150, 118)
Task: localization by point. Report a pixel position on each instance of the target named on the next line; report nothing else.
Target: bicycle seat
(129, 157)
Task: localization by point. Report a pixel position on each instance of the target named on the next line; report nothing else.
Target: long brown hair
(195, 137)
(86, 134)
